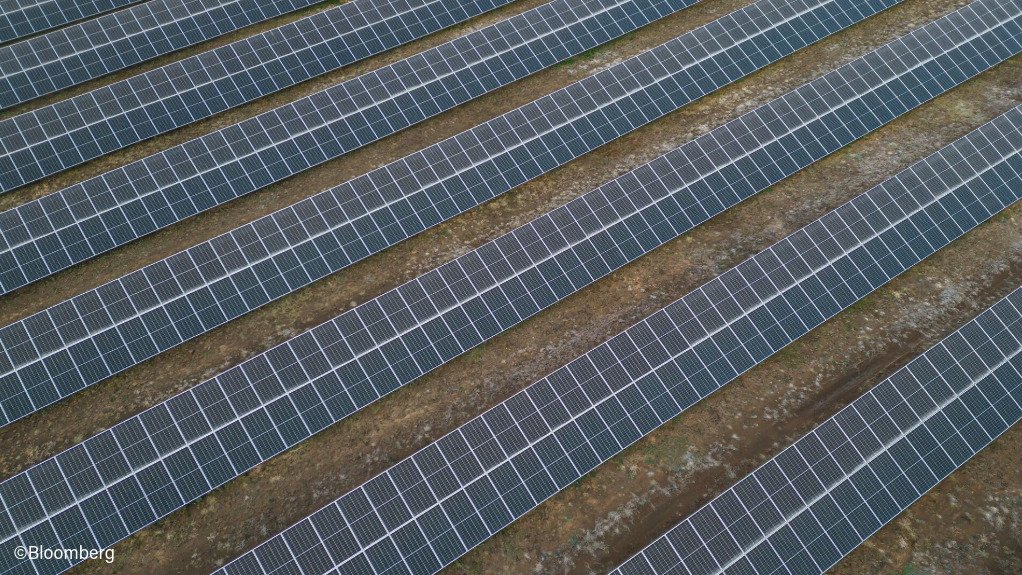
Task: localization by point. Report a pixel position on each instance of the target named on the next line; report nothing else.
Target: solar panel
(115, 41)
(809, 506)
(123, 204)
(503, 50)
(120, 114)
(155, 308)
(175, 452)
(35, 16)
(432, 507)
(59, 230)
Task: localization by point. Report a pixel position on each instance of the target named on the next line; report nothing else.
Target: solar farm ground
(972, 523)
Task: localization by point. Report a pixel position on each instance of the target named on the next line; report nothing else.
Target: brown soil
(970, 522)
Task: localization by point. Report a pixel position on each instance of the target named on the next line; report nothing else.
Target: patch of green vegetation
(1004, 216)
(474, 355)
(789, 357)
(473, 562)
(850, 316)
(583, 56)
(510, 549)
(667, 452)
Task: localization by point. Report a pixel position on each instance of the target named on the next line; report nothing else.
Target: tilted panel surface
(115, 41)
(432, 507)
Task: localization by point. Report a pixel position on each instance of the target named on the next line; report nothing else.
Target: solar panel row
(110, 210)
(115, 41)
(432, 507)
(106, 511)
(36, 16)
(120, 114)
(187, 294)
(803, 510)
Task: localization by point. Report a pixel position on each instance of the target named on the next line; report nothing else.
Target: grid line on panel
(37, 16)
(81, 221)
(837, 485)
(56, 137)
(87, 50)
(154, 312)
(309, 207)
(587, 411)
(462, 492)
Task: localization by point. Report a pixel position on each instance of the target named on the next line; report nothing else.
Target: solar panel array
(44, 236)
(367, 362)
(486, 55)
(67, 227)
(51, 355)
(33, 16)
(115, 41)
(54, 501)
(120, 114)
(820, 498)
(431, 508)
